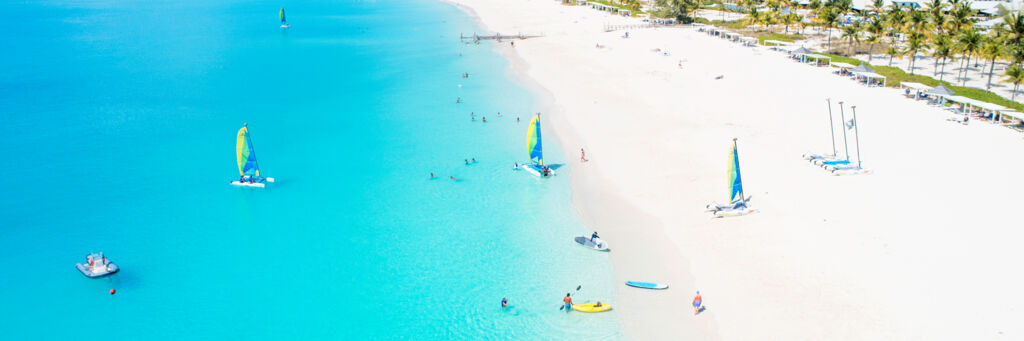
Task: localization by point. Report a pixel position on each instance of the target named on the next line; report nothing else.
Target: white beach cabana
(871, 77)
(842, 65)
(1013, 120)
(987, 110)
(818, 59)
(917, 88)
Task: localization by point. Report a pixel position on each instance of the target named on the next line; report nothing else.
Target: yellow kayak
(590, 308)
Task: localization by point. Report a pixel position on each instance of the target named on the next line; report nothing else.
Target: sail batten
(245, 155)
(533, 143)
(735, 183)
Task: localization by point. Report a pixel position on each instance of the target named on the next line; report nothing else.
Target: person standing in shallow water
(568, 302)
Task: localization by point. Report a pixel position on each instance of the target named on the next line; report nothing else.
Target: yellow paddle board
(590, 308)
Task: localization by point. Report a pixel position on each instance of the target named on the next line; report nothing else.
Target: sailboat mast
(846, 143)
(831, 126)
(856, 132)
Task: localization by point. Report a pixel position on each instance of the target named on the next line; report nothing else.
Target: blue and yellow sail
(735, 183)
(245, 154)
(533, 141)
(283, 20)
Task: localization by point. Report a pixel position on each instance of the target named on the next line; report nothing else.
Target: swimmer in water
(474, 160)
(516, 166)
(485, 120)
(431, 175)
(467, 161)
(504, 302)
(458, 99)
(454, 178)
(517, 119)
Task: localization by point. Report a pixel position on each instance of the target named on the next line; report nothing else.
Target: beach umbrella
(941, 91)
(802, 50)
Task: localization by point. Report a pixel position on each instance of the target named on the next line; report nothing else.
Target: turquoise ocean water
(117, 134)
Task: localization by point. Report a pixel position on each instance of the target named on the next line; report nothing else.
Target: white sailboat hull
(734, 212)
(261, 183)
(535, 171)
(851, 171)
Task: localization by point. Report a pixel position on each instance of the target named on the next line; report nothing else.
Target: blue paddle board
(646, 285)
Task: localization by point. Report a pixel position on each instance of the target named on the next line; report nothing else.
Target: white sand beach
(926, 248)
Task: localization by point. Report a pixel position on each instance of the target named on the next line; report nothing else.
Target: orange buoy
(113, 291)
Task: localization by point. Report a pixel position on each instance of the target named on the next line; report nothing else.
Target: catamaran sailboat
(248, 169)
(284, 22)
(737, 203)
(533, 146)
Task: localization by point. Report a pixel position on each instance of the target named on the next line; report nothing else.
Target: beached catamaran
(533, 146)
(284, 22)
(737, 203)
(248, 169)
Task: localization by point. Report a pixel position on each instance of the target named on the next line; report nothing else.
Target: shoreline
(591, 202)
(858, 257)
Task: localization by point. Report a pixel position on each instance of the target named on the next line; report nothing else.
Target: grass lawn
(789, 38)
(893, 77)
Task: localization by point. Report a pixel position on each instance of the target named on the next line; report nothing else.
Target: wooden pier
(497, 37)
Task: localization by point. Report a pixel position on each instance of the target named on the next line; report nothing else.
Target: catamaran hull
(811, 157)
(284, 26)
(734, 212)
(536, 171)
(851, 171)
(258, 184)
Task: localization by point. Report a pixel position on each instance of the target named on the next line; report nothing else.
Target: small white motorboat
(97, 266)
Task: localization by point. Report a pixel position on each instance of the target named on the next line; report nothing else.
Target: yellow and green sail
(283, 20)
(533, 141)
(245, 154)
(735, 184)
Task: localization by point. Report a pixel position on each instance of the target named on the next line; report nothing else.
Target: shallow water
(119, 120)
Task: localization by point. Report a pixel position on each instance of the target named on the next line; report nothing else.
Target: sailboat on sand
(737, 202)
(248, 168)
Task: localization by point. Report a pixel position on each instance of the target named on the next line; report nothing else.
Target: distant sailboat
(533, 146)
(248, 168)
(284, 21)
(737, 203)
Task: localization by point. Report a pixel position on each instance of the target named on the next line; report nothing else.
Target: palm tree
(969, 42)
(960, 16)
(915, 44)
(877, 7)
(829, 17)
(790, 19)
(943, 49)
(893, 51)
(877, 29)
(851, 34)
(1014, 21)
(991, 50)
(897, 19)
(937, 12)
(1015, 75)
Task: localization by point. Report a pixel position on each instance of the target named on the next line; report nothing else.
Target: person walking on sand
(583, 155)
(697, 302)
(568, 302)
